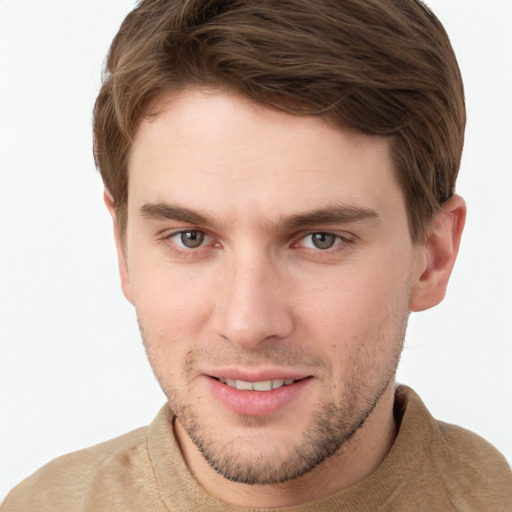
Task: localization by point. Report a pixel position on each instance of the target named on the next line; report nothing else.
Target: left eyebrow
(342, 214)
(165, 211)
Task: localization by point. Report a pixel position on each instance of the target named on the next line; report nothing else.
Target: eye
(189, 239)
(320, 240)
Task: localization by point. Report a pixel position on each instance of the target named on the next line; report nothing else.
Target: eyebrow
(334, 214)
(165, 211)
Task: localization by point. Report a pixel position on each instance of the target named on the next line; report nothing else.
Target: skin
(253, 295)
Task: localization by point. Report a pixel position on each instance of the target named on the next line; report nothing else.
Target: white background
(72, 368)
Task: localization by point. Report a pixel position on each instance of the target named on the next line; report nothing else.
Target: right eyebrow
(165, 211)
(334, 214)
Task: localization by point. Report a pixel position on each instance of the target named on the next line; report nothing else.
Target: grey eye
(323, 240)
(192, 239)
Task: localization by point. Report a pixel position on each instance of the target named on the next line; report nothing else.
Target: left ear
(435, 259)
(120, 246)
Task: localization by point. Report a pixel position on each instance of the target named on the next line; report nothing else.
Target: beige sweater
(432, 467)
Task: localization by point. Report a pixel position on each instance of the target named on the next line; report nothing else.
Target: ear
(435, 259)
(120, 246)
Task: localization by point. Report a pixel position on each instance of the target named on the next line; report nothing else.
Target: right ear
(120, 246)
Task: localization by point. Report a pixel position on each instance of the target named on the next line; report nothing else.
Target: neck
(352, 463)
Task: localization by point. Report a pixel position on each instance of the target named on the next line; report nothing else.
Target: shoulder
(65, 482)
(471, 469)
(465, 468)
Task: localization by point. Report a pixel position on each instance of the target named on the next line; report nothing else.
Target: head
(382, 67)
(281, 177)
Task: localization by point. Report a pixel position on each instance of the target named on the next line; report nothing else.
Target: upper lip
(257, 375)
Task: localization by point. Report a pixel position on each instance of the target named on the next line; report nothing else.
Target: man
(281, 180)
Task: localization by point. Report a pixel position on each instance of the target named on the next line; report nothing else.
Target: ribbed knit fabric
(432, 466)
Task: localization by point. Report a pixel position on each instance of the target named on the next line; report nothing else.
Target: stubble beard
(331, 425)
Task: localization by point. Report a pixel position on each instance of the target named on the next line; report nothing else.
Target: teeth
(265, 385)
(244, 386)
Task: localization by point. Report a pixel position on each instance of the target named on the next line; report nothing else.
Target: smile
(264, 385)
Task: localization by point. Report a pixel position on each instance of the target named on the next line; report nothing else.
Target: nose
(252, 305)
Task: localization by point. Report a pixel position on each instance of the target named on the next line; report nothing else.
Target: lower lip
(256, 403)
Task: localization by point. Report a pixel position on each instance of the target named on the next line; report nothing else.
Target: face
(270, 263)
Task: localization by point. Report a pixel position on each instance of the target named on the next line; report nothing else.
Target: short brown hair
(381, 67)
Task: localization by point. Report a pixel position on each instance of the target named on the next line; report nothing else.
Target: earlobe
(435, 259)
(120, 247)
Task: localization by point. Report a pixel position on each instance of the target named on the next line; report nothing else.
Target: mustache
(274, 354)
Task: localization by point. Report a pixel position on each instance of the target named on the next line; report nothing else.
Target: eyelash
(177, 247)
(341, 242)
(338, 241)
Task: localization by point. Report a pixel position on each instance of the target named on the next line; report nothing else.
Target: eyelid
(171, 240)
(169, 237)
(342, 238)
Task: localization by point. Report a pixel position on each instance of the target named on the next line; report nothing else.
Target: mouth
(254, 397)
(263, 385)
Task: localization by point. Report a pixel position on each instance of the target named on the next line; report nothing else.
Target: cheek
(355, 295)
(359, 316)
(172, 310)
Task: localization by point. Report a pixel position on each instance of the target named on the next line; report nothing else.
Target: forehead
(220, 153)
